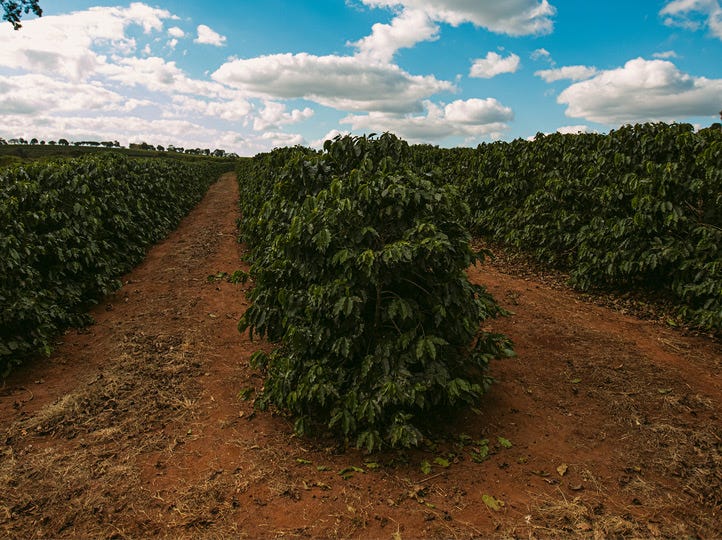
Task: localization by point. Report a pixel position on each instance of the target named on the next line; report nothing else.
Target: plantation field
(70, 227)
(143, 424)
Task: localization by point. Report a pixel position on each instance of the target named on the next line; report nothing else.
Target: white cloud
(477, 112)
(172, 43)
(342, 82)
(141, 14)
(158, 75)
(665, 54)
(415, 22)
(512, 17)
(581, 128)
(472, 118)
(406, 30)
(541, 54)
(176, 32)
(274, 115)
(283, 139)
(493, 65)
(209, 36)
(642, 90)
(694, 14)
(35, 94)
(574, 73)
(64, 44)
(233, 110)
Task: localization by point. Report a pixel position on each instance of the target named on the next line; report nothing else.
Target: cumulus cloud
(277, 138)
(176, 32)
(416, 22)
(231, 110)
(493, 65)
(471, 118)
(35, 94)
(159, 75)
(512, 17)
(342, 82)
(406, 30)
(275, 114)
(208, 36)
(694, 14)
(64, 44)
(574, 73)
(541, 54)
(642, 90)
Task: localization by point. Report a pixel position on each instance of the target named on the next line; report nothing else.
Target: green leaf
(506, 443)
(492, 503)
(442, 462)
(322, 239)
(348, 472)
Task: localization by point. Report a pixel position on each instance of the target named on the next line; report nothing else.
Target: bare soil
(604, 425)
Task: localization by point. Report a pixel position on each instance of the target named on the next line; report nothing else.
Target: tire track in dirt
(134, 427)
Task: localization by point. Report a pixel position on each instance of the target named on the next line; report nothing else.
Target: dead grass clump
(689, 459)
(564, 518)
(146, 381)
(63, 466)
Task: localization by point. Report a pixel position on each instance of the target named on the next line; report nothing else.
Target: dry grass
(109, 421)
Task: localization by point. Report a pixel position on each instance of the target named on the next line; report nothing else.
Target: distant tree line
(132, 146)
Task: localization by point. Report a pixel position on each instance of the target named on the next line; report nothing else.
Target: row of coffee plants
(70, 228)
(640, 207)
(359, 266)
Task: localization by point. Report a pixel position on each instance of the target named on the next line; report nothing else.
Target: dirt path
(135, 426)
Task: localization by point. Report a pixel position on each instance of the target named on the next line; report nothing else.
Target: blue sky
(247, 76)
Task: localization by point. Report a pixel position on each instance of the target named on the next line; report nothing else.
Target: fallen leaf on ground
(492, 502)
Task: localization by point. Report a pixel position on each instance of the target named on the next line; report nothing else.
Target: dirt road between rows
(136, 427)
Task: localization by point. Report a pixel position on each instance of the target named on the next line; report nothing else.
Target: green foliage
(358, 255)
(359, 263)
(69, 229)
(638, 208)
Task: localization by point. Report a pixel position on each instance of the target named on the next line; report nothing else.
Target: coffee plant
(359, 266)
(639, 208)
(70, 228)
